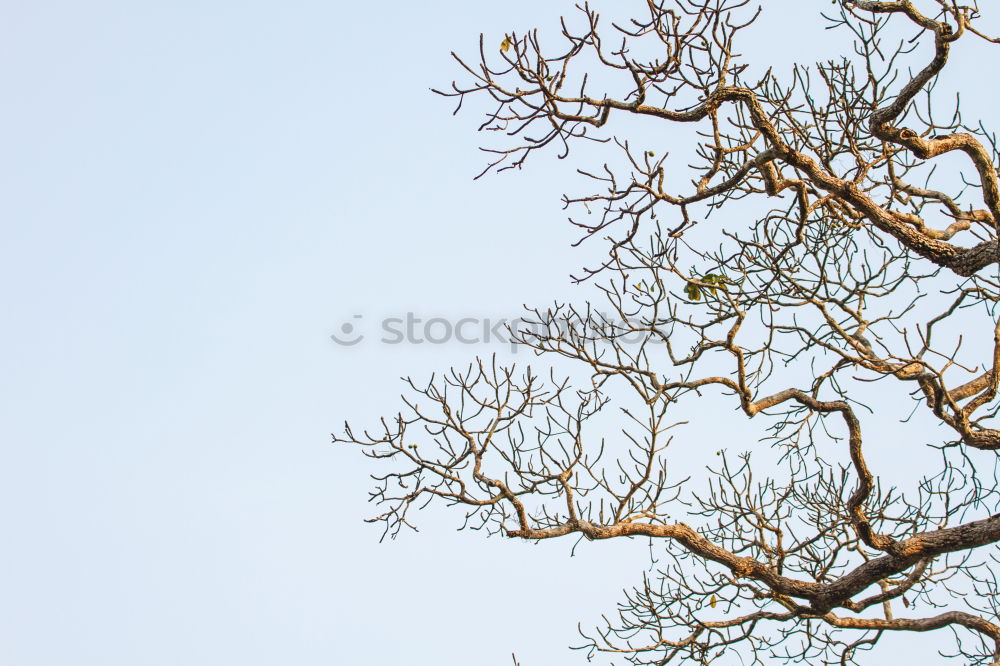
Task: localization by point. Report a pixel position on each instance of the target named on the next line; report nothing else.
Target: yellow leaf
(712, 601)
(505, 45)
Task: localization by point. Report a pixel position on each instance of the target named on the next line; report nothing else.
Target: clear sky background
(193, 197)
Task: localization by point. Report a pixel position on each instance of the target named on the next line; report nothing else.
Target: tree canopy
(828, 254)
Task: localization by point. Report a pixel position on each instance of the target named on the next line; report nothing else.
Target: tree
(861, 273)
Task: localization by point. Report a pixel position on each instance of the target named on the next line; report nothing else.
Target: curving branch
(841, 276)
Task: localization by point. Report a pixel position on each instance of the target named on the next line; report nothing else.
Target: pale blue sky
(193, 196)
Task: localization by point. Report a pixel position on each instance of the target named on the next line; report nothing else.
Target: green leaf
(715, 278)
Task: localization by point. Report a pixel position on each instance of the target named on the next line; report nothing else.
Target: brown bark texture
(827, 253)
